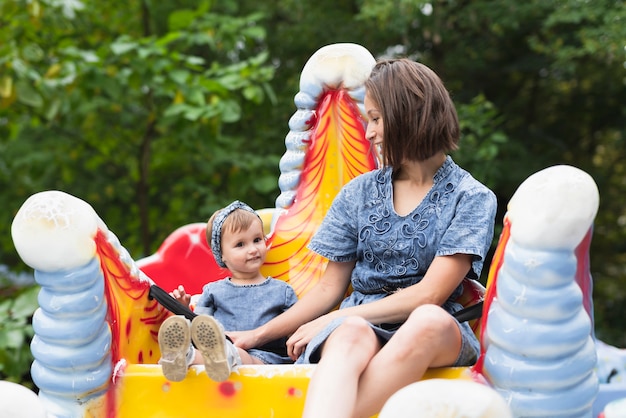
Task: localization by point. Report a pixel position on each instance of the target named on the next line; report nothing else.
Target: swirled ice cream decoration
(53, 233)
(540, 353)
(332, 67)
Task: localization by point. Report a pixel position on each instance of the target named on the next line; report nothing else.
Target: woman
(404, 236)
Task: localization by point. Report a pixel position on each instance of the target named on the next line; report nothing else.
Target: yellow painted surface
(252, 392)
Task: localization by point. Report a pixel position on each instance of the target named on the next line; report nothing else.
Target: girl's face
(244, 252)
(375, 131)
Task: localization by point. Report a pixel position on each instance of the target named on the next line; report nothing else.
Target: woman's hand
(181, 295)
(296, 344)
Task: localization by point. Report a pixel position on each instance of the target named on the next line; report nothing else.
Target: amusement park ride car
(95, 344)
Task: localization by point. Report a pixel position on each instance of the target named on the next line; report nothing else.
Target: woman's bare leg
(333, 388)
(429, 338)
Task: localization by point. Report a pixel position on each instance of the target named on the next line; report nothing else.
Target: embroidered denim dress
(245, 307)
(392, 252)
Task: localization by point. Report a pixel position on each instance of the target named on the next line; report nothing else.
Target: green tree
(16, 310)
(125, 109)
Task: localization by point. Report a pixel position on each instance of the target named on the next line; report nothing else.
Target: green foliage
(482, 140)
(16, 311)
(116, 117)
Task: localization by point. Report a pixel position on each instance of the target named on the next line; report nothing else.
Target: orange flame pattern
(134, 320)
(338, 152)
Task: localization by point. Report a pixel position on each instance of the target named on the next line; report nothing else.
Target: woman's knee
(353, 332)
(428, 330)
(430, 320)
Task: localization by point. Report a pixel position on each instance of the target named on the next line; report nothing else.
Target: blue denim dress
(392, 252)
(246, 307)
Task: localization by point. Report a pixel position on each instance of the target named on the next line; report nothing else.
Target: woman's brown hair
(419, 117)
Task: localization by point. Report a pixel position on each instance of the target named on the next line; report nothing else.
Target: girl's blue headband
(218, 223)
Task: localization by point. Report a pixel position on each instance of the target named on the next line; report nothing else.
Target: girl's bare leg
(247, 358)
(243, 354)
(332, 391)
(429, 338)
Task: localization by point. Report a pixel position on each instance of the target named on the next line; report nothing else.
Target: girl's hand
(180, 295)
(243, 339)
(296, 344)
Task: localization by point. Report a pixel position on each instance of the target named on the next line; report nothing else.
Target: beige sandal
(209, 339)
(174, 342)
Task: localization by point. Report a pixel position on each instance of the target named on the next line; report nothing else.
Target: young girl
(243, 301)
(404, 236)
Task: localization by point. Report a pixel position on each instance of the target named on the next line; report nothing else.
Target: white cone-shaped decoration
(446, 398)
(17, 401)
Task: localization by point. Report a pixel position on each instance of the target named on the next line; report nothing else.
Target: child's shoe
(175, 343)
(220, 356)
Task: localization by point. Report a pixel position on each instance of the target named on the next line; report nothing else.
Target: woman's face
(375, 131)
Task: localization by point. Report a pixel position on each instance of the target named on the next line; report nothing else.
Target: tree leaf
(121, 47)
(181, 19)
(6, 87)
(27, 94)
(25, 303)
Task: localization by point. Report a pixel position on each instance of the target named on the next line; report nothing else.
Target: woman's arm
(443, 276)
(320, 299)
